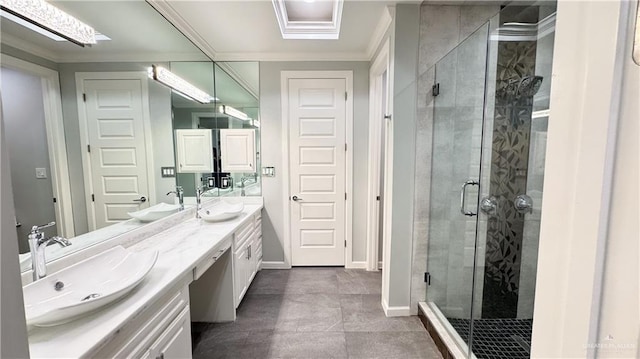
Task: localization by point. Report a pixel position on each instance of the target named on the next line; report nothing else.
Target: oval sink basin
(86, 286)
(221, 211)
(155, 212)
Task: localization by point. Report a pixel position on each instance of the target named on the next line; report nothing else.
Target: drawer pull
(219, 254)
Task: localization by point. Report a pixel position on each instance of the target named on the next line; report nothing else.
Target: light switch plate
(41, 172)
(168, 171)
(268, 171)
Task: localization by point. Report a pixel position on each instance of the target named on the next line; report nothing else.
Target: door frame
(84, 134)
(376, 141)
(285, 76)
(56, 142)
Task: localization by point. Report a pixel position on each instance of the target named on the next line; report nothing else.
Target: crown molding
(165, 9)
(292, 56)
(29, 47)
(239, 79)
(378, 34)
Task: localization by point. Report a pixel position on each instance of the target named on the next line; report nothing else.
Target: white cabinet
(238, 150)
(175, 342)
(194, 151)
(161, 331)
(247, 256)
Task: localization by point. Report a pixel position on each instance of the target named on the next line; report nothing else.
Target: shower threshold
(492, 338)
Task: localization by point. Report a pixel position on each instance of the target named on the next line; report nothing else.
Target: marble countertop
(180, 249)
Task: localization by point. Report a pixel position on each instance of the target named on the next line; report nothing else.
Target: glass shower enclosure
(491, 100)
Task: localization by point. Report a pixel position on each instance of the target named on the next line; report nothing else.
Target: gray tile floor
(314, 313)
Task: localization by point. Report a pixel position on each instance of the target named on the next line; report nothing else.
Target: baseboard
(356, 265)
(395, 311)
(275, 265)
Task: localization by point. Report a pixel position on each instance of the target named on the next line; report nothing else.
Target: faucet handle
(36, 229)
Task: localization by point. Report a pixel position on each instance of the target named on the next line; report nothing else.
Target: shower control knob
(489, 205)
(523, 204)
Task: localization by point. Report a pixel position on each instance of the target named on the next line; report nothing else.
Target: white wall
(577, 228)
(271, 139)
(26, 136)
(620, 309)
(13, 331)
(405, 66)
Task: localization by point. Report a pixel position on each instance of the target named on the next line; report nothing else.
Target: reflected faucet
(179, 192)
(199, 192)
(37, 245)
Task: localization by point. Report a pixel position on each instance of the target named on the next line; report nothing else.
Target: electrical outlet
(41, 172)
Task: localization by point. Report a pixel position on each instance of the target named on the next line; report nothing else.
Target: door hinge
(84, 97)
(93, 198)
(435, 90)
(377, 198)
(55, 200)
(345, 243)
(345, 96)
(427, 278)
(345, 147)
(88, 148)
(345, 196)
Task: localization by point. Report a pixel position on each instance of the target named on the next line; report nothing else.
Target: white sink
(221, 211)
(155, 212)
(85, 286)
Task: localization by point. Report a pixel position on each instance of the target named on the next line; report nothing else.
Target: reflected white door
(317, 132)
(115, 127)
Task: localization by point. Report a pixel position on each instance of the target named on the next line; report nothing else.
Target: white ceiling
(229, 30)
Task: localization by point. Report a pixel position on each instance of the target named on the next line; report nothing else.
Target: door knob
(296, 198)
(523, 204)
(489, 205)
(141, 199)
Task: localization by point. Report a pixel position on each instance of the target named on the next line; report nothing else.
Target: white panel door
(317, 132)
(238, 150)
(117, 153)
(195, 151)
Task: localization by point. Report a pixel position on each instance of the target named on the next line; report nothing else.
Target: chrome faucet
(199, 192)
(179, 192)
(37, 244)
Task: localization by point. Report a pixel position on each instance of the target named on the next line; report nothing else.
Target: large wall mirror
(234, 168)
(89, 133)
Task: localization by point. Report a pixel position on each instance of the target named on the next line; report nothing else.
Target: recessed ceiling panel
(321, 10)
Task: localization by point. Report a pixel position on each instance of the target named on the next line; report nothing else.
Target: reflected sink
(221, 211)
(86, 286)
(155, 212)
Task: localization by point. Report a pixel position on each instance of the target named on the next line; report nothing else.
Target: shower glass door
(491, 108)
(457, 140)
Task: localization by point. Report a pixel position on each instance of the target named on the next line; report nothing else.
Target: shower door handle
(463, 193)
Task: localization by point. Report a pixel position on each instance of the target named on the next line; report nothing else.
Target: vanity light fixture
(179, 85)
(228, 110)
(52, 19)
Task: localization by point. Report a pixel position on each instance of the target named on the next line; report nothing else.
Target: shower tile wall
(511, 138)
(442, 28)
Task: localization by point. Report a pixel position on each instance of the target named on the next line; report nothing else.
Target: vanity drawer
(136, 337)
(206, 263)
(243, 234)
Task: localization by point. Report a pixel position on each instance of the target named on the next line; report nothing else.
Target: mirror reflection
(233, 160)
(87, 130)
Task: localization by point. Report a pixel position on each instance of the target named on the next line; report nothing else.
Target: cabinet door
(238, 150)
(175, 342)
(194, 151)
(240, 274)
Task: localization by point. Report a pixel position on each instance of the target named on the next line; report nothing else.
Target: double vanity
(202, 271)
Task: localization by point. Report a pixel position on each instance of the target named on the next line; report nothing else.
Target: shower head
(529, 86)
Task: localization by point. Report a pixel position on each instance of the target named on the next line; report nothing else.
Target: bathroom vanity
(202, 273)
